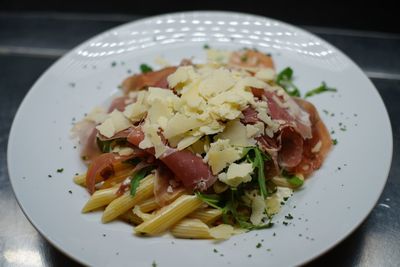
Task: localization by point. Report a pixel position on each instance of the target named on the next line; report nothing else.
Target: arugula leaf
(136, 178)
(321, 89)
(285, 79)
(104, 146)
(145, 68)
(295, 181)
(211, 200)
(250, 226)
(292, 179)
(257, 157)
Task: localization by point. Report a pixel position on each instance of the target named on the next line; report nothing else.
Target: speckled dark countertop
(30, 43)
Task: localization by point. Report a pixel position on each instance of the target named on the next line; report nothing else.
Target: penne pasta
(126, 202)
(207, 215)
(170, 215)
(191, 228)
(148, 205)
(131, 218)
(281, 181)
(80, 179)
(101, 198)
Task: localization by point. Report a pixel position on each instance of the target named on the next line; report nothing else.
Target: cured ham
(166, 187)
(316, 148)
(251, 59)
(154, 79)
(186, 166)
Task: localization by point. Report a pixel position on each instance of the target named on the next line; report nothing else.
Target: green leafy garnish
(285, 79)
(334, 142)
(211, 200)
(136, 178)
(320, 89)
(257, 158)
(206, 46)
(145, 68)
(104, 146)
(295, 181)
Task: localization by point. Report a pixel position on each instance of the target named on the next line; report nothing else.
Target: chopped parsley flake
(206, 46)
(60, 170)
(321, 89)
(113, 64)
(258, 245)
(154, 264)
(334, 142)
(289, 216)
(215, 250)
(144, 68)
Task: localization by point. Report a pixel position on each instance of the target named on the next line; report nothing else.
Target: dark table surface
(31, 42)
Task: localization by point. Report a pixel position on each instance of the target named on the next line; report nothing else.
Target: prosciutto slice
(154, 79)
(166, 188)
(294, 116)
(103, 167)
(316, 148)
(186, 166)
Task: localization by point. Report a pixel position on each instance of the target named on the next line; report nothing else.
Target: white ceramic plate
(330, 206)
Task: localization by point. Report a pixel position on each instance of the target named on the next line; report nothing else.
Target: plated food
(202, 150)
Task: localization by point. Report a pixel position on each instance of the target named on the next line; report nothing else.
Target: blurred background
(359, 15)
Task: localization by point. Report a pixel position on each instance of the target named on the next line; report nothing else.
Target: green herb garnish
(144, 68)
(320, 89)
(211, 200)
(258, 245)
(104, 146)
(334, 142)
(136, 178)
(60, 170)
(295, 181)
(285, 79)
(257, 158)
(206, 46)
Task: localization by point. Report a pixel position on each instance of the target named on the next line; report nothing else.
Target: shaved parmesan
(235, 131)
(97, 115)
(180, 124)
(220, 80)
(222, 231)
(265, 74)
(257, 210)
(221, 154)
(237, 174)
(115, 122)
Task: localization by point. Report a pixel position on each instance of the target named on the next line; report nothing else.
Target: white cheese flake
(265, 74)
(221, 154)
(237, 174)
(235, 132)
(114, 123)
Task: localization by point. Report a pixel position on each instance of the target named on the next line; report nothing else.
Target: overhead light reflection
(23, 257)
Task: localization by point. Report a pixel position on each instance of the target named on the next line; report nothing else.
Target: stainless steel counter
(30, 43)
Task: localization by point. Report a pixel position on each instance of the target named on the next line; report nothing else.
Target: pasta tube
(126, 202)
(80, 179)
(101, 198)
(207, 215)
(149, 205)
(191, 228)
(170, 215)
(131, 218)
